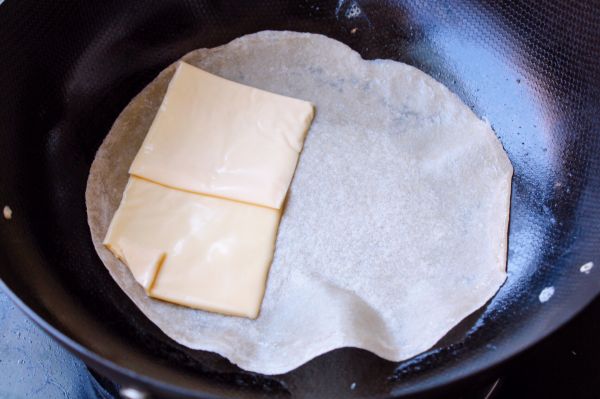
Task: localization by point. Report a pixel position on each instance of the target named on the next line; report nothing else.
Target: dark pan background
(67, 68)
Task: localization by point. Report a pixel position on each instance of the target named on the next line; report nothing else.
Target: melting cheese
(217, 137)
(198, 220)
(195, 250)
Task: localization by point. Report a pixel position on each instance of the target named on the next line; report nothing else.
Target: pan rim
(110, 368)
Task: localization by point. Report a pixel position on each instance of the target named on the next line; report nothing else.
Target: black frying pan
(68, 68)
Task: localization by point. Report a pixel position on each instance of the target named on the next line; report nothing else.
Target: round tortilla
(395, 226)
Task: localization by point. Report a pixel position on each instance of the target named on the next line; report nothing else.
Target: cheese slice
(200, 251)
(217, 137)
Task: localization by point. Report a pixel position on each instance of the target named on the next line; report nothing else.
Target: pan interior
(529, 69)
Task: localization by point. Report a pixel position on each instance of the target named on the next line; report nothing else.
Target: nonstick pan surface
(68, 68)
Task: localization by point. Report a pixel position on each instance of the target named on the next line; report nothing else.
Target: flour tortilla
(395, 226)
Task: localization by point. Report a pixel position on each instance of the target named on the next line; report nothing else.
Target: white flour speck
(7, 212)
(353, 386)
(586, 268)
(546, 294)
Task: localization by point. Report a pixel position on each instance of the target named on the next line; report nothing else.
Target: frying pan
(68, 68)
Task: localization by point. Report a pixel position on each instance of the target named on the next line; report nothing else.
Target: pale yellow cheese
(214, 136)
(195, 250)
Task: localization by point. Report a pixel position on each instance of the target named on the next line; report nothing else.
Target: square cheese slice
(195, 250)
(218, 137)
